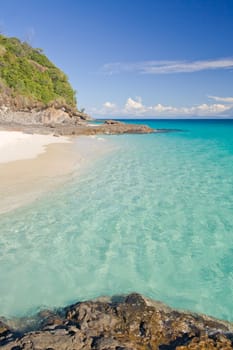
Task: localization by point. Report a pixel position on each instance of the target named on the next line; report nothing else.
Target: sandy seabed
(31, 165)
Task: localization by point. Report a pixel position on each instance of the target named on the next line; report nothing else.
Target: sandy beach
(31, 165)
(16, 145)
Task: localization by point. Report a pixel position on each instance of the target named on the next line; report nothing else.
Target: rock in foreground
(129, 323)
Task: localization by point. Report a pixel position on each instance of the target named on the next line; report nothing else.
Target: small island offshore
(36, 98)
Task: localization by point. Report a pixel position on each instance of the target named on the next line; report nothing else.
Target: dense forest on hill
(27, 74)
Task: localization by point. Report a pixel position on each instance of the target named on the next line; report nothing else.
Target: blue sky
(162, 58)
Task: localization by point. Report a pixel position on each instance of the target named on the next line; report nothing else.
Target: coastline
(211, 333)
(69, 126)
(130, 322)
(31, 154)
(32, 165)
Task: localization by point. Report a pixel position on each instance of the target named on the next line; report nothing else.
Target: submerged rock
(126, 323)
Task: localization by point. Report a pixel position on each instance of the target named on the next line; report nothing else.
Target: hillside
(28, 79)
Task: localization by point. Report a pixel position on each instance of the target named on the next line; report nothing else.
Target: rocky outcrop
(112, 122)
(59, 122)
(124, 323)
(107, 129)
(41, 116)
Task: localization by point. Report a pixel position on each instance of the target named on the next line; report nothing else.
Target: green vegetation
(28, 73)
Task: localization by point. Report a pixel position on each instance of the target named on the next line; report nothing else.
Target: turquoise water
(155, 216)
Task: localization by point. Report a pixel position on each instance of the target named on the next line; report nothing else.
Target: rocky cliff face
(43, 116)
(122, 323)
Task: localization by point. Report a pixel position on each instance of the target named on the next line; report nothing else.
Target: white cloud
(160, 108)
(107, 108)
(109, 105)
(222, 99)
(209, 109)
(166, 67)
(135, 107)
(199, 110)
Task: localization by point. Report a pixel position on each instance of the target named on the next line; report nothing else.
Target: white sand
(15, 145)
(32, 165)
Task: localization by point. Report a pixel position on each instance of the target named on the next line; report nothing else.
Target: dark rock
(3, 329)
(6, 334)
(112, 122)
(135, 300)
(127, 323)
(48, 121)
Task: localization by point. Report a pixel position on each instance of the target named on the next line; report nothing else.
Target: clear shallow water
(155, 216)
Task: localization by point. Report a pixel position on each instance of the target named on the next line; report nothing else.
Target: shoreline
(47, 163)
(29, 161)
(131, 322)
